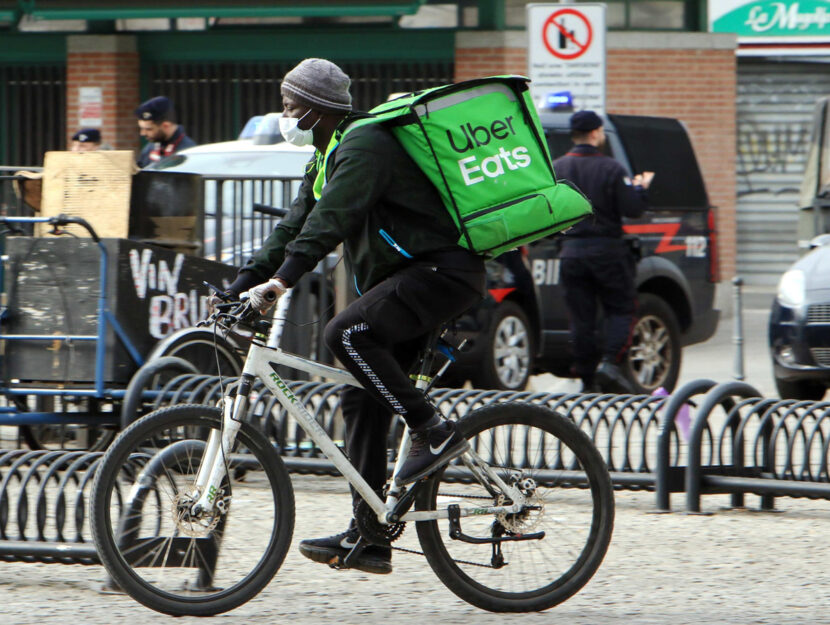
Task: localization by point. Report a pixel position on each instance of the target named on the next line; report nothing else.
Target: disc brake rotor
(529, 518)
(198, 526)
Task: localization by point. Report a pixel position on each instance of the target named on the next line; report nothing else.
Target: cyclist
(363, 190)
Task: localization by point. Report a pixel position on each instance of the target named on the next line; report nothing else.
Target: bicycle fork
(218, 448)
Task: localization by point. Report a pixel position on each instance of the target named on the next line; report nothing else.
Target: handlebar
(270, 210)
(231, 312)
(55, 222)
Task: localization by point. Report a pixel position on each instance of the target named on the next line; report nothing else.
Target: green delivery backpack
(481, 144)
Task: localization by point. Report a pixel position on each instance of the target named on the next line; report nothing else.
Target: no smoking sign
(566, 55)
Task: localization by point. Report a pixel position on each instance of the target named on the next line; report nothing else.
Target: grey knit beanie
(319, 84)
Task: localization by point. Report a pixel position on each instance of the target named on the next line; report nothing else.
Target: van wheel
(800, 389)
(653, 360)
(508, 359)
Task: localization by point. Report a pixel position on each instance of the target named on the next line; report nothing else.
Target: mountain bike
(192, 510)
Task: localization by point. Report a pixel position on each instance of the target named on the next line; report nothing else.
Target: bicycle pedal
(337, 563)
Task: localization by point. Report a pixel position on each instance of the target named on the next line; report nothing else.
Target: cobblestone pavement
(662, 569)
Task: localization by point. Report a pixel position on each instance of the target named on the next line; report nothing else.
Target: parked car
(799, 325)
(521, 330)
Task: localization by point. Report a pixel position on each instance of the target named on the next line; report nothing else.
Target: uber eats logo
(469, 137)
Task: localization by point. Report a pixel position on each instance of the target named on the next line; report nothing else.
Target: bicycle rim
(571, 501)
(155, 550)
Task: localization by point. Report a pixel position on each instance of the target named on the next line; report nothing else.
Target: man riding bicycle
(362, 189)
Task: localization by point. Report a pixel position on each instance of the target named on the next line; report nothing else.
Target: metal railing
(11, 202)
(233, 227)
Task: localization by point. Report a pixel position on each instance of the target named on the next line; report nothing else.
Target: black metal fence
(214, 100)
(32, 111)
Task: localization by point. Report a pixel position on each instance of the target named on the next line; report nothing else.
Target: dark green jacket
(376, 201)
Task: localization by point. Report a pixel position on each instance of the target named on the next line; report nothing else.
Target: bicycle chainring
(373, 530)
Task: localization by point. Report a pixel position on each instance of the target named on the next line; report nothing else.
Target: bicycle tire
(137, 535)
(538, 443)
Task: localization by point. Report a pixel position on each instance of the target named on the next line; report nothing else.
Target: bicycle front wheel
(153, 545)
(570, 510)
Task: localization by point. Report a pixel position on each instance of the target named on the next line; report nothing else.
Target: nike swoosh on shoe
(346, 544)
(437, 450)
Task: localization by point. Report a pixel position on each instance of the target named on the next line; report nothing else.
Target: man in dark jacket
(596, 262)
(157, 124)
(363, 190)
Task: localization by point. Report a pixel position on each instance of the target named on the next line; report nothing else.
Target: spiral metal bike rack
(734, 442)
(623, 427)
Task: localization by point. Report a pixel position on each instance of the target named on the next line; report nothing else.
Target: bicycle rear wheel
(570, 499)
(151, 545)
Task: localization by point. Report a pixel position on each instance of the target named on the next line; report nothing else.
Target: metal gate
(32, 112)
(775, 107)
(213, 100)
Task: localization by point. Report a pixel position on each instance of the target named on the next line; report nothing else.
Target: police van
(522, 327)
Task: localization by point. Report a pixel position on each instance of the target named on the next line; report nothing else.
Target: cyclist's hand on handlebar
(265, 295)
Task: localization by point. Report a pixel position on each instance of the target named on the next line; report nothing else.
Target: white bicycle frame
(259, 365)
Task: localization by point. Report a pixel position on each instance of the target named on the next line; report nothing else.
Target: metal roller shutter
(774, 108)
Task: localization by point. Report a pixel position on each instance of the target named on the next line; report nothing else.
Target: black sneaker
(334, 549)
(430, 449)
(611, 379)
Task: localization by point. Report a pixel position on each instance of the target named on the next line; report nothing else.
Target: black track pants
(377, 338)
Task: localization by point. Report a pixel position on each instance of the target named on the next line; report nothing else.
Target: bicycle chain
(421, 553)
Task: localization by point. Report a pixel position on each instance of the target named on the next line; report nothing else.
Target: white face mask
(295, 135)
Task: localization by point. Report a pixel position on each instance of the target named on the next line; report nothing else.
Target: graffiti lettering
(172, 309)
(145, 273)
(169, 313)
(769, 150)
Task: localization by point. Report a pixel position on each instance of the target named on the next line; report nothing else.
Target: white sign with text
(566, 55)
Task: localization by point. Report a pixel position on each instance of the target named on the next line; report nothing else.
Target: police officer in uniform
(87, 140)
(157, 124)
(596, 262)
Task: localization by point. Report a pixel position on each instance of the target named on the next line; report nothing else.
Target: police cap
(155, 109)
(585, 121)
(87, 135)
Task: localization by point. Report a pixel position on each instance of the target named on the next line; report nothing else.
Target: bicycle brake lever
(218, 292)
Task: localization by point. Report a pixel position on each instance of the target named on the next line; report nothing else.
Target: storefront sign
(797, 19)
(566, 55)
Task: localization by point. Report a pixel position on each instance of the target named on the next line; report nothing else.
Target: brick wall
(111, 63)
(690, 76)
